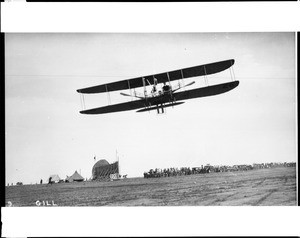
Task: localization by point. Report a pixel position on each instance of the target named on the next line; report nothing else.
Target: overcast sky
(46, 134)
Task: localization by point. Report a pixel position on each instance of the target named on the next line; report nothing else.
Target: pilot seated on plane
(166, 88)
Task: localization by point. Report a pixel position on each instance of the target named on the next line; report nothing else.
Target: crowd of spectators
(169, 172)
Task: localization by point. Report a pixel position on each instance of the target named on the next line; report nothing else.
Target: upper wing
(116, 107)
(161, 78)
(206, 91)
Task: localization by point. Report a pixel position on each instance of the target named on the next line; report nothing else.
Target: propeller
(189, 84)
(128, 95)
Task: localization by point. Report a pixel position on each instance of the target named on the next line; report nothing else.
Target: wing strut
(82, 102)
(145, 90)
(205, 76)
(182, 79)
(232, 75)
(129, 89)
(108, 95)
(169, 85)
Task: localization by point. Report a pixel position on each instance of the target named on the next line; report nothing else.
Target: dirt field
(264, 187)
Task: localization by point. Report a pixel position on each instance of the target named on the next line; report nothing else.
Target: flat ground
(263, 187)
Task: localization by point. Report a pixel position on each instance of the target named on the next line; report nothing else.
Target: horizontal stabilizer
(155, 107)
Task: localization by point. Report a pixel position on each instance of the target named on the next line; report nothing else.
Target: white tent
(76, 177)
(54, 178)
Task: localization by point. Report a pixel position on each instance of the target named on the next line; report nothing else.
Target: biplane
(162, 94)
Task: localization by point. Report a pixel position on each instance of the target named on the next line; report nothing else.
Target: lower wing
(194, 93)
(116, 107)
(206, 91)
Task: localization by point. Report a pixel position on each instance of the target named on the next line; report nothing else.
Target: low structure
(76, 177)
(103, 170)
(54, 178)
